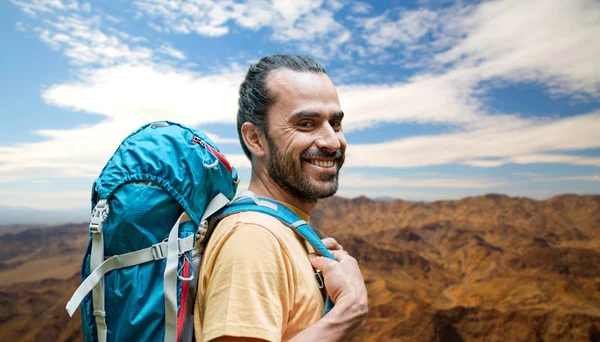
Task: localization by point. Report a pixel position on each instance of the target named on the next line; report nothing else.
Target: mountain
(493, 268)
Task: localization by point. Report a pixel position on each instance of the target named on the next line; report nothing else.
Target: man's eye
(305, 124)
(336, 124)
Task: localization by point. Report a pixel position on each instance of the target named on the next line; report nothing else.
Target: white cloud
(82, 40)
(293, 21)
(556, 47)
(168, 50)
(315, 24)
(128, 96)
(360, 8)
(76, 153)
(557, 158)
(588, 178)
(35, 7)
(503, 144)
(150, 92)
(422, 99)
(550, 43)
(113, 19)
(88, 40)
(354, 180)
(382, 31)
(19, 26)
(127, 86)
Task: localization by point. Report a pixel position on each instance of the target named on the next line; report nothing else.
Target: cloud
(291, 21)
(355, 180)
(557, 159)
(127, 86)
(19, 26)
(589, 178)
(76, 153)
(150, 92)
(168, 50)
(360, 8)
(81, 40)
(383, 31)
(488, 147)
(127, 96)
(91, 41)
(556, 47)
(422, 99)
(35, 7)
(547, 43)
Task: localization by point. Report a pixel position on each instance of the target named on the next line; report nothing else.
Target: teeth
(322, 163)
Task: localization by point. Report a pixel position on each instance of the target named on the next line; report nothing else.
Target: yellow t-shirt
(256, 281)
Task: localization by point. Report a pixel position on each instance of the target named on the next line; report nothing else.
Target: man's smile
(323, 165)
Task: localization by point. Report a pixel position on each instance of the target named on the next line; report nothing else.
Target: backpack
(155, 204)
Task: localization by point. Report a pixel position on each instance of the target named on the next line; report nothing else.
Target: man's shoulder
(253, 219)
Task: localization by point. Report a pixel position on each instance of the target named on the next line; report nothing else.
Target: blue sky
(443, 99)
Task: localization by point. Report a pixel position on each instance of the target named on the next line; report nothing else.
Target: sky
(442, 99)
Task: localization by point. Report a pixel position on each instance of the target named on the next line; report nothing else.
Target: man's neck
(266, 187)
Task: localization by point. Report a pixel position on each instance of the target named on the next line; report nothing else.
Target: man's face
(306, 143)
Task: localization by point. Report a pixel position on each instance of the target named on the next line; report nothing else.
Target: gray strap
(155, 252)
(218, 202)
(246, 194)
(298, 223)
(99, 214)
(258, 201)
(170, 284)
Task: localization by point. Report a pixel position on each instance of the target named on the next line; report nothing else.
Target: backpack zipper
(197, 140)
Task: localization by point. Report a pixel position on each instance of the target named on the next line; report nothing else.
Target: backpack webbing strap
(99, 214)
(170, 284)
(155, 252)
(248, 201)
(170, 275)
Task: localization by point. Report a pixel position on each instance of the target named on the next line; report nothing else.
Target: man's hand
(345, 285)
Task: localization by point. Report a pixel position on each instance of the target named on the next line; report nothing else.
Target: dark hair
(255, 99)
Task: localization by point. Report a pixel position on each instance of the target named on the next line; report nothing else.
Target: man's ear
(252, 138)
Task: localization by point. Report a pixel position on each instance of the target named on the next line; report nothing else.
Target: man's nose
(328, 139)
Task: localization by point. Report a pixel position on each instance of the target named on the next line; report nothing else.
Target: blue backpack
(155, 204)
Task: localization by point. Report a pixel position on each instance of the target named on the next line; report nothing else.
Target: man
(257, 277)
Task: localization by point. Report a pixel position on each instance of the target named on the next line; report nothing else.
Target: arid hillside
(488, 268)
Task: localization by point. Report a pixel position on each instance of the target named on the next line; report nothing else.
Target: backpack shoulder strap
(248, 201)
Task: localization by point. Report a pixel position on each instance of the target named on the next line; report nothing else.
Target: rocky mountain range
(486, 268)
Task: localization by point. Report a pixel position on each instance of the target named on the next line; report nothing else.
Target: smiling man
(257, 277)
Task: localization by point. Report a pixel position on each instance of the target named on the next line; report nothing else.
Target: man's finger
(320, 262)
(339, 255)
(332, 244)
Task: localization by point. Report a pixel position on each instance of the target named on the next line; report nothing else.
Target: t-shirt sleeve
(249, 289)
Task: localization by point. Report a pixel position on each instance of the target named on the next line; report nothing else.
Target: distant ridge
(24, 215)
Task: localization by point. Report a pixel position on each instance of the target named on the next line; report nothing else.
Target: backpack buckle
(157, 251)
(320, 280)
(201, 231)
(99, 214)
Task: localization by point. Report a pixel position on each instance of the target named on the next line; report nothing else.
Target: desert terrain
(486, 268)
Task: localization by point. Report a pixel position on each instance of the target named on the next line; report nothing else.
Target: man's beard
(286, 171)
